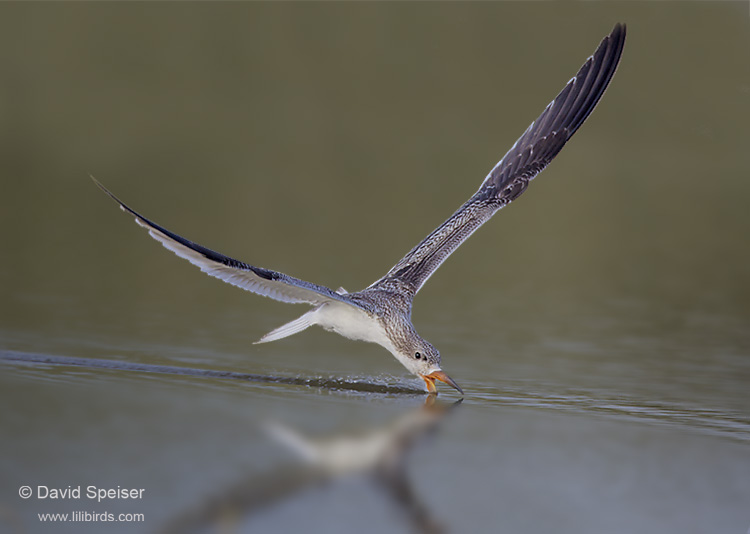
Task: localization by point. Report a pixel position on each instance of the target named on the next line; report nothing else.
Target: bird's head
(422, 359)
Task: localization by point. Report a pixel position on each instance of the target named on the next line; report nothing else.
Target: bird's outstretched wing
(264, 282)
(533, 151)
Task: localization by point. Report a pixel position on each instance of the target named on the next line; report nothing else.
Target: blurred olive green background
(599, 325)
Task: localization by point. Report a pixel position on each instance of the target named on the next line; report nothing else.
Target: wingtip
(98, 183)
(618, 34)
(123, 206)
(107, 191)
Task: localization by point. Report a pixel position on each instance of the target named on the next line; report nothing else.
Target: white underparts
(345, 320)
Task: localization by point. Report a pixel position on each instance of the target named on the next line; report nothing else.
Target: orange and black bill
(439, 375)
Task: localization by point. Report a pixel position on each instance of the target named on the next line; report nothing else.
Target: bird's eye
(418, 355)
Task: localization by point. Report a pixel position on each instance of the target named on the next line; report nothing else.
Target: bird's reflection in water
(379, 454)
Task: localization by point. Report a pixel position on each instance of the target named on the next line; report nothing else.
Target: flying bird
(381, 313)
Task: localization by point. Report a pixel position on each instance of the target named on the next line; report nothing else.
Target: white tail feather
(288, 329)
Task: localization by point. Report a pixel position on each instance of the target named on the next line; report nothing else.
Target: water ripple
(361, 385)
(711, 421)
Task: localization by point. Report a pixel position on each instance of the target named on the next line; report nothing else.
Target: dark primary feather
(546, 136)
(533, 151)
(266, 282)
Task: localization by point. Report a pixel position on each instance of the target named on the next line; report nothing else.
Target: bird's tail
(298, 325)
